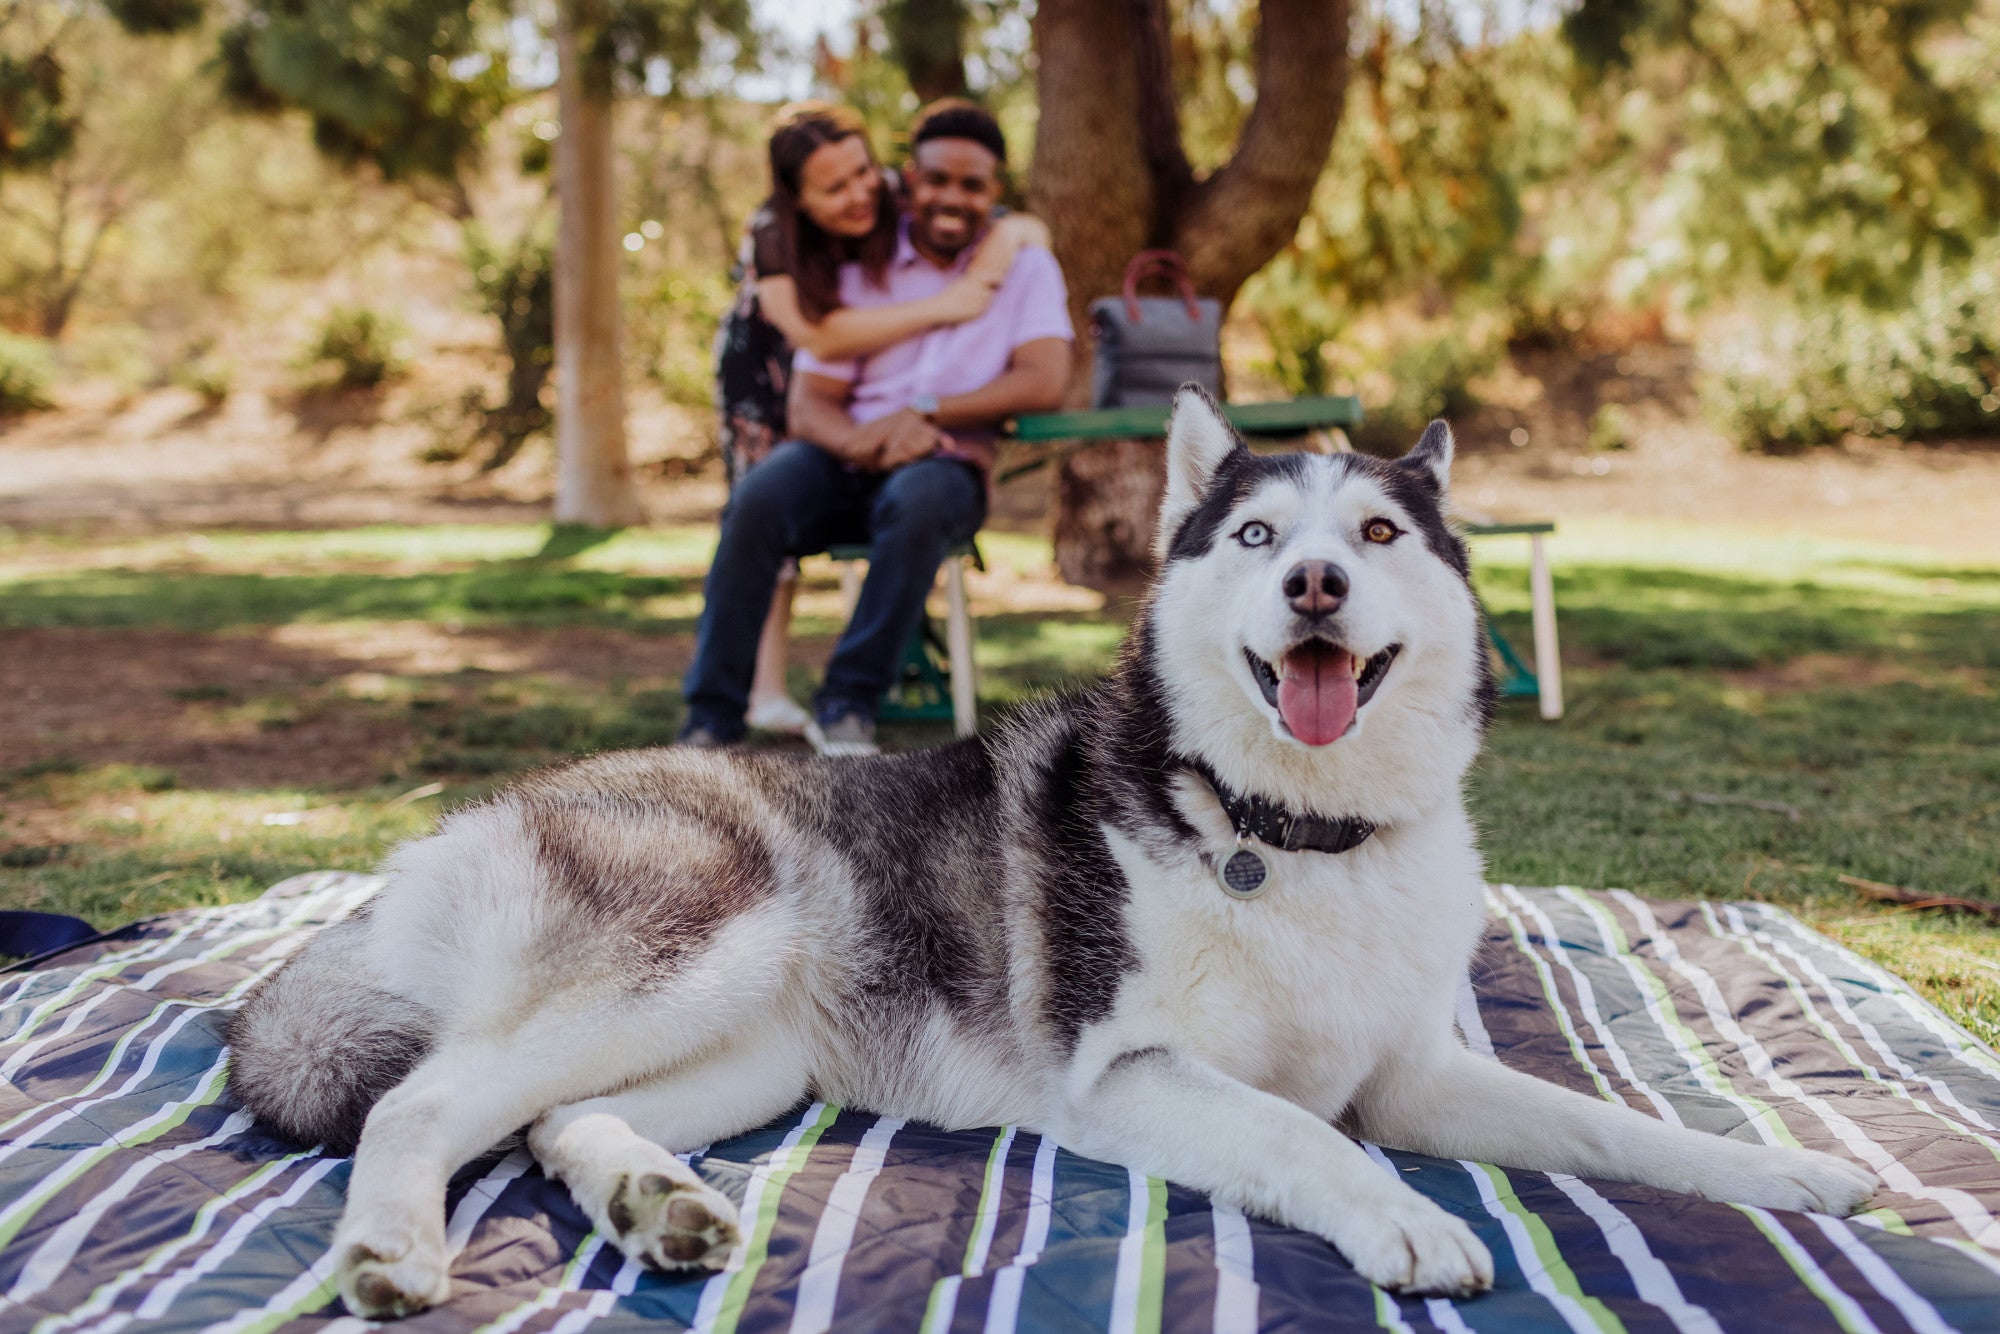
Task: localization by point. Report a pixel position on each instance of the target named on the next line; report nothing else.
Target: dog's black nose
(1315, 588)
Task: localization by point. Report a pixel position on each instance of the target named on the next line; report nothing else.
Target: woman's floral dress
(753, 363)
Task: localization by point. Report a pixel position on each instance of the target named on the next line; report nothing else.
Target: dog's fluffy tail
(318, 1043)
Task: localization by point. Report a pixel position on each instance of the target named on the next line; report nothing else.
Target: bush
(1610, 428)
(359, 346)
(207, 375)
(26, 368)
(1810, 377)
(517, 286)
(117, 354)
(1427, 377)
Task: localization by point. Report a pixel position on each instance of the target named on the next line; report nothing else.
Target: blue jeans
(801, 500)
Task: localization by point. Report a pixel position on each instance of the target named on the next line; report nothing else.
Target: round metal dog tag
(1244, 875)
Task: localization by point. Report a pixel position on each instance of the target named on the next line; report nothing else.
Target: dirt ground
(200, 705)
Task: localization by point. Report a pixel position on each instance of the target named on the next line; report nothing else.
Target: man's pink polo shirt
(954, 359)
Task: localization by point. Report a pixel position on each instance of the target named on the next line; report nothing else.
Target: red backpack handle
(1167, 263)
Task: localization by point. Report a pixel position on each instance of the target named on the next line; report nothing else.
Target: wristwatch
(925, 406)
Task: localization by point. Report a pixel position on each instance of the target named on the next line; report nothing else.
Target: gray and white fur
(647, 951)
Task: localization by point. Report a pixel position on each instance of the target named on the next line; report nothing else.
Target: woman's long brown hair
(815, 255)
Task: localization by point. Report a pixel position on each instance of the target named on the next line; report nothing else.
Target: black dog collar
(1265, 820)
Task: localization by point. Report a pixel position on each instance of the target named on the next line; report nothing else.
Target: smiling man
(892, 450)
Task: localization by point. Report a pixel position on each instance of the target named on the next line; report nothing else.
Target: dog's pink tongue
(1316, 697)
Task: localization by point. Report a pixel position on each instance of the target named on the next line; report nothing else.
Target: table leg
(958, 641)
(850, 587)
(1542, 605)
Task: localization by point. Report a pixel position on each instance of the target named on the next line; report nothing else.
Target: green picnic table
(1294, 416)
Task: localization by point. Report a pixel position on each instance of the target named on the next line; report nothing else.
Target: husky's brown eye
(1380, 530)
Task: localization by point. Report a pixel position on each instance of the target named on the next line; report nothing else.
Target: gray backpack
(1149, 346)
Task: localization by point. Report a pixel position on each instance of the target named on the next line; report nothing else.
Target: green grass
(1853, 684)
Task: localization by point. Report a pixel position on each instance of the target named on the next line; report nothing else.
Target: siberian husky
(1190, 920)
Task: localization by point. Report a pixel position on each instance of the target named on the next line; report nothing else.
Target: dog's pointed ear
(1198, 441)
(1433, 455)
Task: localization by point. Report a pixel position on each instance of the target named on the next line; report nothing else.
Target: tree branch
(1250, 208)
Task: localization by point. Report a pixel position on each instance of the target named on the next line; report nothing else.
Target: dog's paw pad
(377, 1284)
(672, 1224)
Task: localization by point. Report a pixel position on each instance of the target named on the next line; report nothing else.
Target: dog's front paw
(1407, 1244)
(1805, 1180)
(672, 1224)
(383, 1280)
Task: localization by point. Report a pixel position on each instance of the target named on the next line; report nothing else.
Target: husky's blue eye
(1254, 534)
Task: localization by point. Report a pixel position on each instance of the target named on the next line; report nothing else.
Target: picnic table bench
(929, 690)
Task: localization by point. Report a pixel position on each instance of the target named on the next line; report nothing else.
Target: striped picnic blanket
(133, 1193)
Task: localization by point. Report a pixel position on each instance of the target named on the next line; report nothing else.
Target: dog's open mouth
(1318, 688)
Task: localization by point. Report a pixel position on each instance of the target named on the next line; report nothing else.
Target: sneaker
(700, 737)
(846, 737)
(778, 713)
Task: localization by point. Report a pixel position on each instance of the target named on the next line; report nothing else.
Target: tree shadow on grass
(572, 539)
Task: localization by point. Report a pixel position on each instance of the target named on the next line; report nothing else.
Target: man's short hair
(956, 118)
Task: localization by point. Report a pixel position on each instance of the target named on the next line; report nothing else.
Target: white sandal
(780, 713)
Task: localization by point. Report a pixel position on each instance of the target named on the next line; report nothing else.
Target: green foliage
(1429, 375)
(516, 285)
(671, 317)
(146, 17)
(207, 376)
(1811, 375)
(1610, 428)
(408, 85)
(1405, 371)
(1410, 271)
(1827, 147)
(1441, 148)
(1826, 167)
(119, 354)
(356, 348)
(37, 123)
(35, 130)
(26, 370)
(671, 47)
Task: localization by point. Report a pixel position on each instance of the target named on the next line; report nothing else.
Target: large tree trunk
(1111, 177)
(594, 475)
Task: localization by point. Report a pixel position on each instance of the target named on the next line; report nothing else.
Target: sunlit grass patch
(1953, 959)
(113, 843)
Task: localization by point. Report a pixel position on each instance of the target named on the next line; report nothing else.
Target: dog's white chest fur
(1301, 990)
